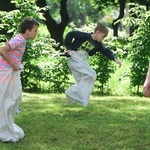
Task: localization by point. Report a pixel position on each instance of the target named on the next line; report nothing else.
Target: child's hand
(68, 51)
(118, 62)
(146, 91)
(15, 67)
(146, 88)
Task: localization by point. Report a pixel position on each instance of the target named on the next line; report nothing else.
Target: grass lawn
(107, 123)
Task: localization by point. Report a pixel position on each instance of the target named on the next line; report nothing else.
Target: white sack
(84, 76)
(10, 100)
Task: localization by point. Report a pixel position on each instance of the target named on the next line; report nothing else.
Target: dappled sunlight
(108, 122)
(142, 108)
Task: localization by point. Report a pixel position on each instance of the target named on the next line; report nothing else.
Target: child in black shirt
(80, 45)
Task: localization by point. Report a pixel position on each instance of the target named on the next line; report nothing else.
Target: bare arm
(4, 52)
(118, 62)
(146, 86)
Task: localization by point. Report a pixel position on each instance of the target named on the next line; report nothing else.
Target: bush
(139, 43)
(44, 69)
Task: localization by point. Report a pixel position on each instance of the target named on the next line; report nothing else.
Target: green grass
(119, 82)
(107, 123)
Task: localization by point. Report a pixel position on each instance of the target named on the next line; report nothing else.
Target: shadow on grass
(107, 123)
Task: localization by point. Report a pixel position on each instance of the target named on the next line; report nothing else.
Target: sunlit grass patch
(107, 123)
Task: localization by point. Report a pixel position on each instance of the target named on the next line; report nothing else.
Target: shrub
(45, 70)
(139, 43)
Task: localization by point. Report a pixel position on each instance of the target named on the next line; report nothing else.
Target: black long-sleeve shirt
(77, 40)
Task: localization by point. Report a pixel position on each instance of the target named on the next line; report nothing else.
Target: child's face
(33, 32)
(100, 36)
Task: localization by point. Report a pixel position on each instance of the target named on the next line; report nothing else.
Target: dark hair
(28, 23)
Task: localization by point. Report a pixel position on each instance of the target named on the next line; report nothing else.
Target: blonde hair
(102, 28)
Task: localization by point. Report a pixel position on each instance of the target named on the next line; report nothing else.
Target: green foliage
(103, 68)
(139, 43)
(45, 70)
(82, 12)
(119, 46)
(119, 82)
(24, 8)
(101, 4)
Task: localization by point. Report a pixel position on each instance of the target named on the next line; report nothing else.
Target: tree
(102, 4)
(56, 29)
(146, 3)
(6, 5)
(82, 12)
(116, 24)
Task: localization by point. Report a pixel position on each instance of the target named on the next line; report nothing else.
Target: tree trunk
(56, 30)
(6, 5)
(121, 15)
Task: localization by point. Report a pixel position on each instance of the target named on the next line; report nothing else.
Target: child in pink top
(10, 85)
(17, 48)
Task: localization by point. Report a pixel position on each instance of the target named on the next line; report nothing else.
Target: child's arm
(146, 86)
(118, 62)
(3, 52)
